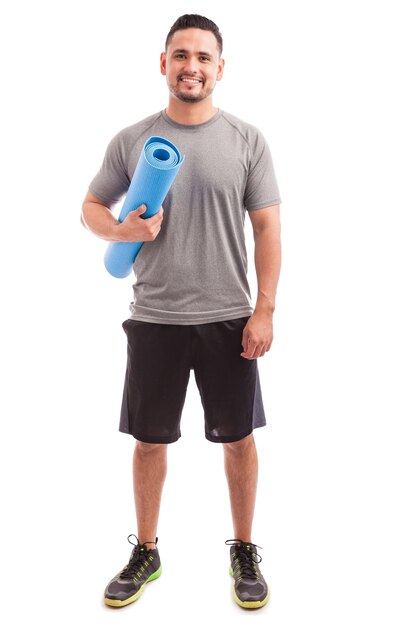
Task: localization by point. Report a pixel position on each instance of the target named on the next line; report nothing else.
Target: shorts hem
(146, 439)
(231, 439)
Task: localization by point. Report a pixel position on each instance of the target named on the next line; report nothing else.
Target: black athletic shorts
(159, 360)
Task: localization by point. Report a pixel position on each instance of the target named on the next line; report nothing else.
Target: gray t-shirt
(195, 271)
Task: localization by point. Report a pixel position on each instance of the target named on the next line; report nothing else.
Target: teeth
(189, 80)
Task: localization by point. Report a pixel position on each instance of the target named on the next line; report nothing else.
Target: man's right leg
(157, 374)
(149, 472)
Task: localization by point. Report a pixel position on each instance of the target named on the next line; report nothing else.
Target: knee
(240, 446)
(143, 448)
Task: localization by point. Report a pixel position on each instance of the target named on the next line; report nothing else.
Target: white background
(330, 84)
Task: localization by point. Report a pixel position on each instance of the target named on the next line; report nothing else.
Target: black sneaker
(250, 589)
(127, 586)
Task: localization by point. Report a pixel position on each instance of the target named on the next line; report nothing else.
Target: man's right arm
(98, 218)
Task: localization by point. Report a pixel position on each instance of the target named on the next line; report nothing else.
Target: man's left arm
(258, 334)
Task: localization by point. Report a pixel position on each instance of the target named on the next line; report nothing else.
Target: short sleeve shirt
(195, 271)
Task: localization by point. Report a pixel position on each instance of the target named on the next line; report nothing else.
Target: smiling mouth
(190, 81)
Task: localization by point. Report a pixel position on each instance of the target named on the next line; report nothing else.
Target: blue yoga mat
(158, 165)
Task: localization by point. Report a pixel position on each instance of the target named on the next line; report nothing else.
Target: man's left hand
(257, 335)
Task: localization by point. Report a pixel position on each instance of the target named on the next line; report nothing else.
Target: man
(192, 307)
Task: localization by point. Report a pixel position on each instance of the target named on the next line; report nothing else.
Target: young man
(192, 307)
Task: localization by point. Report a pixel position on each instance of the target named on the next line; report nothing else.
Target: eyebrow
(201, 52)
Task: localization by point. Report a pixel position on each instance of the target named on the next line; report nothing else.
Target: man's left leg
(232, 400)
(241, 467)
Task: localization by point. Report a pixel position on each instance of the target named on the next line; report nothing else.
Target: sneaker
(250, 589)
(128, 585)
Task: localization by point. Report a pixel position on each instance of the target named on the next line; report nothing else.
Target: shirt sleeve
(112, 181)
(261, 185)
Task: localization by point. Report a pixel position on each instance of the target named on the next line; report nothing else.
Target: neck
(190, 113)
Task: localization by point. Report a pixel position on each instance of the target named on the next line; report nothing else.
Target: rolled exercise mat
(158, 165)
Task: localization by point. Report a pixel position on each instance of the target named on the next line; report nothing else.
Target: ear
(220, 69)
(163, 63)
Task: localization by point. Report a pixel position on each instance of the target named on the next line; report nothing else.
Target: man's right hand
(99, 219)
(135, 228)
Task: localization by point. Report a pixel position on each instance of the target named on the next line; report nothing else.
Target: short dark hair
(195, 21)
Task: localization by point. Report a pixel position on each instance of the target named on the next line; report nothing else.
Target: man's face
(192, 64)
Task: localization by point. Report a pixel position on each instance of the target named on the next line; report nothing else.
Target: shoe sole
(117, 603)
(256, 604)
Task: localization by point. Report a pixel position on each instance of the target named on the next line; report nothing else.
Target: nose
(191, 65)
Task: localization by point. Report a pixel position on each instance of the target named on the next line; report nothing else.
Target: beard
(190, 97)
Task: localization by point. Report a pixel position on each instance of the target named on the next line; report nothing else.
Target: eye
(205, 58)
(177, 56)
